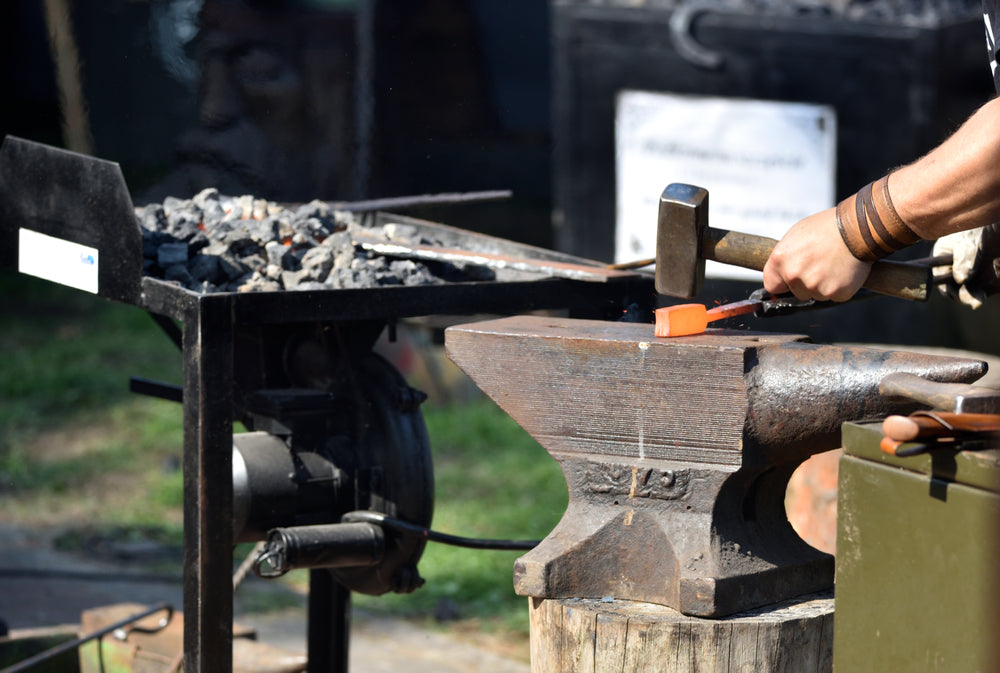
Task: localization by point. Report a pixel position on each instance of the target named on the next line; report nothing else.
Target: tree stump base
(578, 635)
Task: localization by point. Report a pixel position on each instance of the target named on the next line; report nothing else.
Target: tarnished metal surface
(801, 393)
(677, 452)
(957, 398)
(542, 268)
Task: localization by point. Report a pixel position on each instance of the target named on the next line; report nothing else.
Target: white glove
(975, 268)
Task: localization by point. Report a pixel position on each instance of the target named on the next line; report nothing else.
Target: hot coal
(217, 243)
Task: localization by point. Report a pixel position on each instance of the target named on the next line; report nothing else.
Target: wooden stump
(611, 636)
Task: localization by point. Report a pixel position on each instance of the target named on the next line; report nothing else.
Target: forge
(284, 345)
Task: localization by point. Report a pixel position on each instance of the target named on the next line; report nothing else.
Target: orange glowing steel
(688, 319)
(681, 320)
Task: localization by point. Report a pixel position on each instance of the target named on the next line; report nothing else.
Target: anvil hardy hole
(811, 500)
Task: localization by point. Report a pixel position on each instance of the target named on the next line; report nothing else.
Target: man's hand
(812, 262)
(973, 273)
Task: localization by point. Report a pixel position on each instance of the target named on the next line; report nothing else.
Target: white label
(60, 261)
(766, 165)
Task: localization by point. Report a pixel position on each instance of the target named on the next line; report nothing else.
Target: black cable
(381, 519)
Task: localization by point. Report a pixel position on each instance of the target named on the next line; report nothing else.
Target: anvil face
(612, 389)
(677, 452)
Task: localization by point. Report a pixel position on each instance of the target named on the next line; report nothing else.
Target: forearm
(953, 188)
(957, 185)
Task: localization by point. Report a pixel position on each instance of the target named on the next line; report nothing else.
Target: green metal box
(918, 559)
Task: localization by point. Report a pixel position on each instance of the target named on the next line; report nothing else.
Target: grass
(491, 480)
(78, 450)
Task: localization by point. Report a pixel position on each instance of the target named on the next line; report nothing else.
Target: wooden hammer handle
(896, 279)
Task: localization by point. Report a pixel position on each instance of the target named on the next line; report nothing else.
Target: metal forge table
(314, 345)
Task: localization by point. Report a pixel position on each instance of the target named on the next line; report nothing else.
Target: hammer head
(682, 217)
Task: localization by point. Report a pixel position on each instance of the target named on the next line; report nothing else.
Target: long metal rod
(443, 199)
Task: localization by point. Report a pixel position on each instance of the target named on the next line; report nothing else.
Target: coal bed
(218, 243)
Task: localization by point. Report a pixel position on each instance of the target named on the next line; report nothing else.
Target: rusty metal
(506, 262)
(677, 452)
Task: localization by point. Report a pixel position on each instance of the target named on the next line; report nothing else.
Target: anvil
(677, 452)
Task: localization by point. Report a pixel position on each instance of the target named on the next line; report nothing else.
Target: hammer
(684, 241)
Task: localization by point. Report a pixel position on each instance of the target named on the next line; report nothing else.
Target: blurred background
(354, 99)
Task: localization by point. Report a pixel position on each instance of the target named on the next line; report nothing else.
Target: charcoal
(317, 263)
(241, 243)
(294, 279)
(206, 198)
(260, 283)
(205, 268)
(151, 242)
(242, 205)
(171, 254)
(338, 240)
(273, 272)
(311, 285)
(285, 230)
(172, 203)
(218, 243)
(262, 231)
(240, 281)
(215, 248)
(411, 273)
(276, 253)
(152, 218)
(232, 268)
(255, 262)
(259, 210)
(314, 208)
(178, 273)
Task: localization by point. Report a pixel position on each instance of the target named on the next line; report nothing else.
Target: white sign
(55, 259)
(766, 165)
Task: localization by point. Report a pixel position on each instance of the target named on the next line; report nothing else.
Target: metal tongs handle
(772, 306)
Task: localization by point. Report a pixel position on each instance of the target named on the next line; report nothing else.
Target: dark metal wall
(898, 87)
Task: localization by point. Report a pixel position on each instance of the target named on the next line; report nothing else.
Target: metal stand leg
(329, 623)
(208, 480)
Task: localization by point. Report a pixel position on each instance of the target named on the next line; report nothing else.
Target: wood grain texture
(613, 636)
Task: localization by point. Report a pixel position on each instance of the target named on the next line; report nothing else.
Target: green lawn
(78, 450)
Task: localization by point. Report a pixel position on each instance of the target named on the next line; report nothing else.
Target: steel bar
(444, 199)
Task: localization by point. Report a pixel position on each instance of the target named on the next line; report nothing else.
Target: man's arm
(953, 188)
